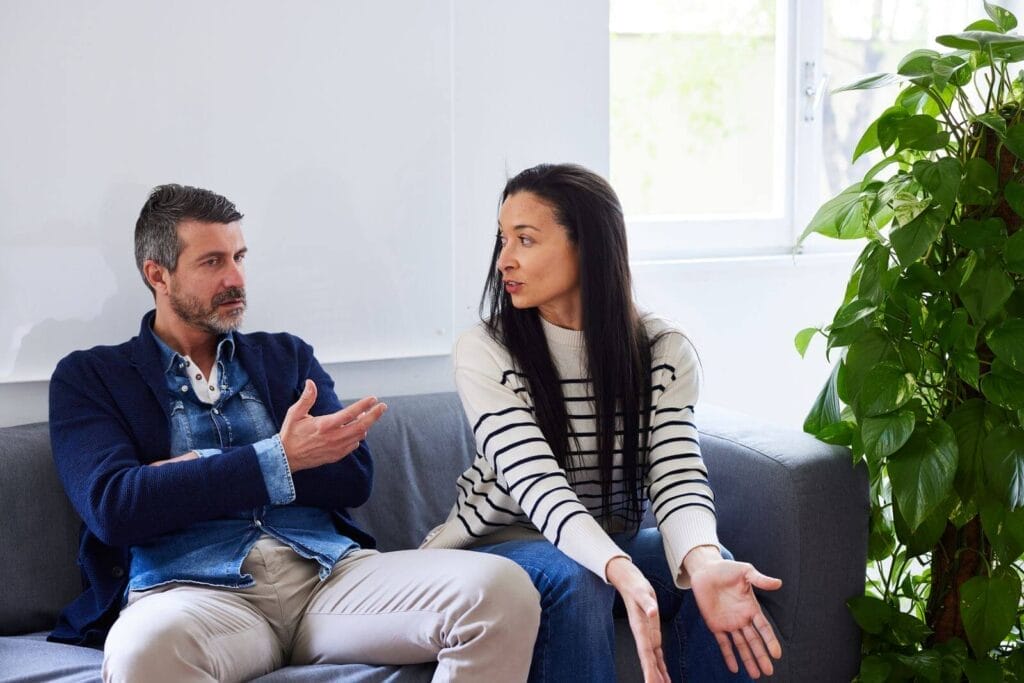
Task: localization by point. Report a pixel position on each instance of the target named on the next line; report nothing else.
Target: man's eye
(210, 262)
(239, 258)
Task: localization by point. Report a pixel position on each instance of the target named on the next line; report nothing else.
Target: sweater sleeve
(679, 492)
(508, 436)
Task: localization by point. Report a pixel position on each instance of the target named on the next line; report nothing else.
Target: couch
(793, 506)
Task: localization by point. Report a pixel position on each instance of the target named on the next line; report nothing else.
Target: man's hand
(642, 610)
(724, 591)
(311, 441)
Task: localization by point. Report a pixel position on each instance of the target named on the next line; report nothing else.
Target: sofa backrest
(420, 447)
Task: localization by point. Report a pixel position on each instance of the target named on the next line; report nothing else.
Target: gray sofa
(793, 506)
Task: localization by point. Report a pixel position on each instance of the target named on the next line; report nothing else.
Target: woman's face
(538, 263)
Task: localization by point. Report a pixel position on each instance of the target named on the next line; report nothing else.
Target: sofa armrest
(797, 509)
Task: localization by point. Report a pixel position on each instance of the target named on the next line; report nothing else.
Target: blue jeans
(576, 639)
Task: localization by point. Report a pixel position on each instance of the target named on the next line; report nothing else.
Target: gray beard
(192, 311)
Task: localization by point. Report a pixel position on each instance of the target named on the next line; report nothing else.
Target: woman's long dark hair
(618, 351)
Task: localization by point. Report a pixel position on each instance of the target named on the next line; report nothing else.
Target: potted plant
(927, 385)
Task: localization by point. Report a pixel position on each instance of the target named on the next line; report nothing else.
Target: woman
(582, 410)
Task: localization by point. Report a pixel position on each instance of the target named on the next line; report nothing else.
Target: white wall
(399, 124)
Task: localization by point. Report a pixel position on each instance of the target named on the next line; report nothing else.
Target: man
(214, 470)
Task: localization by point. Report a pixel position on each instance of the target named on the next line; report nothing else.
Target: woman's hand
(642, 610)
(724, 591)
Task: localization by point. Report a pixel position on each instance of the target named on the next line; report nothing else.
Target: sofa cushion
(38, 534)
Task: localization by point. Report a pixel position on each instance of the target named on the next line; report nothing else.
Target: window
(724, 138)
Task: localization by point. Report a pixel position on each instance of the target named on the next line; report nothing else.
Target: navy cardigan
(109, 418)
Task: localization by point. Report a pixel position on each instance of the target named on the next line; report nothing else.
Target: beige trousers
(475, 614)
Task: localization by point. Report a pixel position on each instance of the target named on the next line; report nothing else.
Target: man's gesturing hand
(310, 441)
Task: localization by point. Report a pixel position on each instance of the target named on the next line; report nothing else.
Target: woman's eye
(525, 241)
(501, 240)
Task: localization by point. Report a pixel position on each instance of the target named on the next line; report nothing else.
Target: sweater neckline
(561, 335)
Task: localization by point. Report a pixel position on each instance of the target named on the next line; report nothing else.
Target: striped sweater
(515, 488)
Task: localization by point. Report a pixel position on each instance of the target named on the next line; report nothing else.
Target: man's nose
(235, 275)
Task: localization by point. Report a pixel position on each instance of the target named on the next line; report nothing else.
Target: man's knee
(150, 649)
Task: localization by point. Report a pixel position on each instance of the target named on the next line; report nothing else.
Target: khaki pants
(475, 614)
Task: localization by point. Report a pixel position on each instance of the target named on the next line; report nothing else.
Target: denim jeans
(576, 639)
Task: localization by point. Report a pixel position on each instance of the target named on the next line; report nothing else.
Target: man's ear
(156, 275)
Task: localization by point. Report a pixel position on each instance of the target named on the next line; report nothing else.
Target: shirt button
(258, 523)
(187, 364)
(216, 411)
(117, 572)
(184, 388)
(198, 376)
(213, 388)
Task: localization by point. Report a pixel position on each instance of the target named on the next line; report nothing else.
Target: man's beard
(192, 311)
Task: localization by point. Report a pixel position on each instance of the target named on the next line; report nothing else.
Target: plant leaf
(1013, 252)
(993, 121)
(971, 421)
(870, 81)
(917, 63)
(1013, 193)
(922, 471)
(1004, 19)
(1004, 386)
(911, 241)
(985, 291)
(871, 614)
(886, 434)
(940, 178)
(1004, 528)
(865, 353)
(852, 312)
(867, 142)
(980, 40)
(803, 339)
(843, 216)
(983, 671)
(1004, 464)
(978, 234)
(988, 605)
(887, 387)
(1014, 140)
(825, 410)
(1007, 341)
(980, 182)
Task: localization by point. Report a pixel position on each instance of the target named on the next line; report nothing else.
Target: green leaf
(874, 263)
(926, 665)
(1002, 18)
(1015, 140)
(983, 671)
(825, 410)
(1005, 529)
(803, 339)
(1004, 464)
(993, 121)
(867, 142)
(1004, 386)
(838, 433)
(871, 614)
(906, 207)
(971, 422)
(980, 40)
(1013, 252)
(922, 539)
(917, 63)
(886, 434)
(940, 178)
(844, 216)
(874, 669)
(869, 350)
(1007, 341)
(985, 291)
(881, 536)
(889, 126)
(912, 240)
(980, 182)
(1014, 195)
(852, 312)
(920, 132)
(979, 234)
(967, 365)
(887, 387)
(952, 69)
(870, 81)
(988, 605)
(922, 471)
(956, 332)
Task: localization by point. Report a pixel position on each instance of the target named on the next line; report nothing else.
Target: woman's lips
(513, 287)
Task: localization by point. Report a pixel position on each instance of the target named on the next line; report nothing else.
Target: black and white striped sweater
(515, 487)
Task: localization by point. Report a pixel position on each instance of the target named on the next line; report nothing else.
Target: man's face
(207, 289)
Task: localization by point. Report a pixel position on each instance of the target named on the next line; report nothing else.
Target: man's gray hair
(156, 231)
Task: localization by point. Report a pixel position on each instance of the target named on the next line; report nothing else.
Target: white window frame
(798, 150)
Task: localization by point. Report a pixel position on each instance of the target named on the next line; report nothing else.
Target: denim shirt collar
(170, 358)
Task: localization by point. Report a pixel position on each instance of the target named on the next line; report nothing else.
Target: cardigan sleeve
(122, 500)
(677, 478)
(508, 436)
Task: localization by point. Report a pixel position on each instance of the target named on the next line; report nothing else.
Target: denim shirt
(212, 552)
